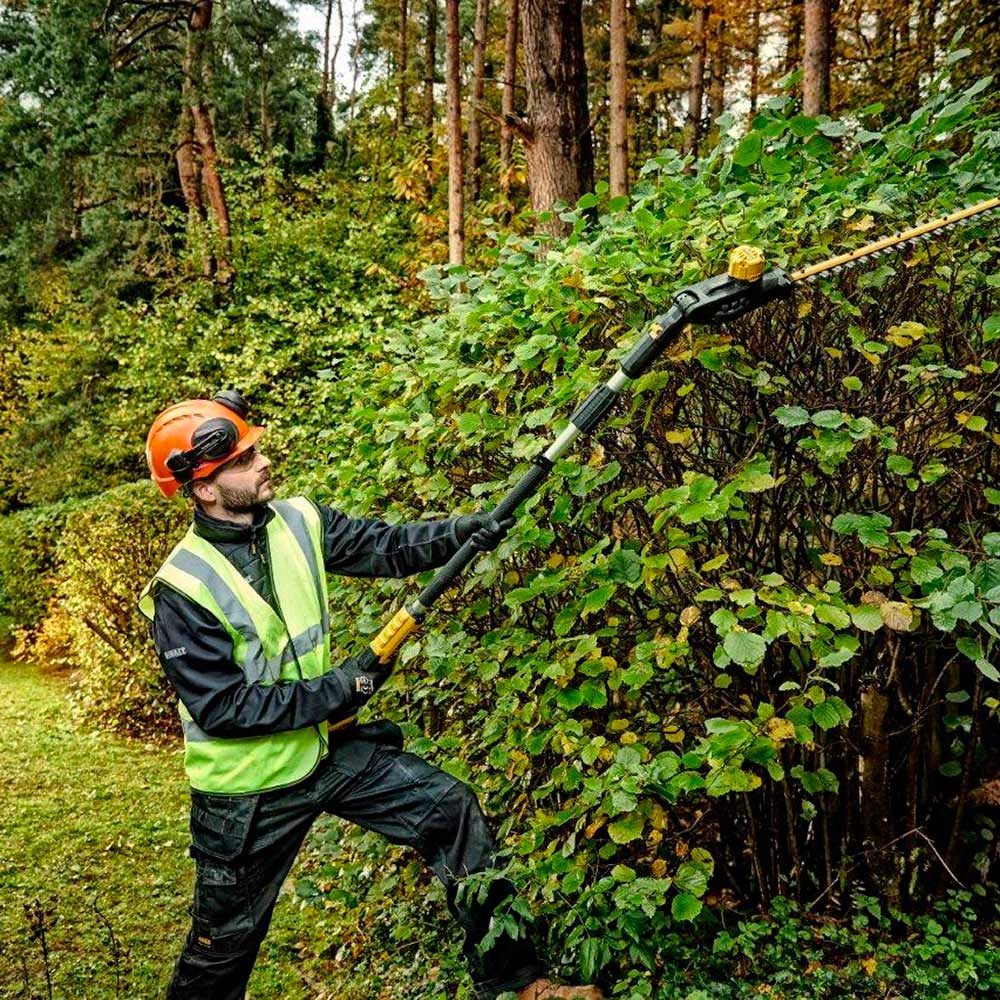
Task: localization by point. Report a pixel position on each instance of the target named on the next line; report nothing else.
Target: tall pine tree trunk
(456, 204)
(203, 130)
(558, 142)
(332, 69)
(696, 79)
(618, 124)
(717, 90)
(754, 57)
(478, 72)
(430, 65)
(403, 58)
(816, 57)
(509, 79)
(325, 86)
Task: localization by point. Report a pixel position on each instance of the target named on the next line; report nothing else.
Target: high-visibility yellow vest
(267, 646)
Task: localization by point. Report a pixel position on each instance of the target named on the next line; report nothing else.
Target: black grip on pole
(522, 490)
(664, 329)
(592, 410)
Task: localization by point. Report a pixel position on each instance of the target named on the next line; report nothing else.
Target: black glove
(483, 530)
(366, 674)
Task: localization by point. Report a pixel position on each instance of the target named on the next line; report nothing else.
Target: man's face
(244, 482)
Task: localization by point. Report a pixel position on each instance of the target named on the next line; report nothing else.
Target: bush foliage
(739, 650)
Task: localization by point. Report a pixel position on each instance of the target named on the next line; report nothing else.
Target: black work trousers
(244, 847)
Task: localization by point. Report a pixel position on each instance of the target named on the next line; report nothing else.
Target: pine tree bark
(793, 38)
(509, 80)
(430, 65)
(456, 194)
(332, 67)
(618, 94)
(816, 57)
(478, 73)
(754, 58)
(199, 23)
(403, 58)
(717, 90)
(558, 142)
(696, 79)
(325, 86)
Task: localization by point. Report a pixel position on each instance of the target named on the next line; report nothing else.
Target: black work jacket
(197, 653)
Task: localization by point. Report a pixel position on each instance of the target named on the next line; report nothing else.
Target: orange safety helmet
(190, 440)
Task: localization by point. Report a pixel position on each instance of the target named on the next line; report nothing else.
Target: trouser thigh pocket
(220, 828)
(222, 906)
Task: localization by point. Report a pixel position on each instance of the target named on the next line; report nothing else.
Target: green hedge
(744, 635)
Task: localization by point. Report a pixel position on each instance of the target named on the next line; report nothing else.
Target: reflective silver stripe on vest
(302, 644)
(299, 527)
(193, 733)
(256, 667)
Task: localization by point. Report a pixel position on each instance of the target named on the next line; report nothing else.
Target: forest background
(730, 688)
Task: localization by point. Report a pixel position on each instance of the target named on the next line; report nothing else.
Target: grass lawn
(88, 818)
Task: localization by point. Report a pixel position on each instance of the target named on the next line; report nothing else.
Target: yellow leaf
(869, 965)
(673, 734)
(897, 615)
(862, 225)
(831, 559)
(658, 816)
(680, 436)
(594, 827)
(715, 563)
(873, 359)
(680, 559)
(596, 456)
(779, 729)
(690, 615)
(805, 307)
(964, 417)
(555, 561)
(834, 352)
(658, 868)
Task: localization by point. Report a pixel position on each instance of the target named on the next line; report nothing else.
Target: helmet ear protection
(213, 440)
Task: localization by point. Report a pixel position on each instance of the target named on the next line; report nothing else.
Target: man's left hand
(483, 530)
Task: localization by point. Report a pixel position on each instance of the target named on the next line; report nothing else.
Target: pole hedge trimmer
(745, 287)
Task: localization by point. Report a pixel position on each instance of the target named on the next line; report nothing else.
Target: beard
(243, 501)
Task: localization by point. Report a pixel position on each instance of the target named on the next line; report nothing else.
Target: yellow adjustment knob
(746, 263)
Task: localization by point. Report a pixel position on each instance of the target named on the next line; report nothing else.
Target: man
(240, 622)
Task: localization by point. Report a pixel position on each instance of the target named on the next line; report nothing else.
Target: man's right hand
(366, 674)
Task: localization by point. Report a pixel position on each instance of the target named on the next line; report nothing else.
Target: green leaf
(970, 648)
(988, 670)
(468, 422)
(924, 570)
(596, 599)
(899, 464)
(625, 830)
(692, 877)
(685, 906)
(747, 152)
(828, 419)
(991, 328)
(866, 617)
(826, 716)
(791, 416)
(830, 615)
(744, 647)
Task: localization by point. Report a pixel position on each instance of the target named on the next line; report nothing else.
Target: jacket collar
(216, 530)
